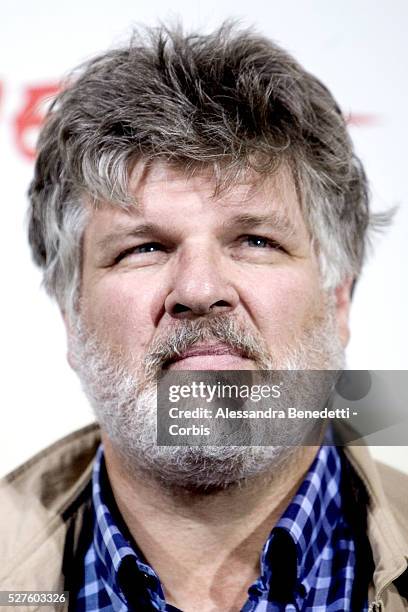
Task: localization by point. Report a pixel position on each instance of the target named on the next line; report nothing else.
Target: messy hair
(231, 101)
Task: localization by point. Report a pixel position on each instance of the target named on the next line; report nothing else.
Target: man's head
(196, 197)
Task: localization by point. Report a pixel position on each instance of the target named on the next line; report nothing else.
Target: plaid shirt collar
(303, 532)
(115, 553)
(293, 554)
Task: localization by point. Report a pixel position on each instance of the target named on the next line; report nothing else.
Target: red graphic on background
(362, 120)
(29, 119)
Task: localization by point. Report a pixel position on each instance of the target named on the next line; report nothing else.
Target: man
(197, 205)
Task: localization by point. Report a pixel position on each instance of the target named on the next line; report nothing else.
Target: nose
(201, 285)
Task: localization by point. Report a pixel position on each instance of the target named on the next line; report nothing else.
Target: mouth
(210, 357)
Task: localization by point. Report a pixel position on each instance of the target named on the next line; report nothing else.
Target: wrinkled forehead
(152, 185)
(245, 183)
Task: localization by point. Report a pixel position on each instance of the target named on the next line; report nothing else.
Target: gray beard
(123, 397)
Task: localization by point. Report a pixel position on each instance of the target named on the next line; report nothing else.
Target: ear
(342, 295)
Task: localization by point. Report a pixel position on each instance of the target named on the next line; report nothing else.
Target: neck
(205, 547)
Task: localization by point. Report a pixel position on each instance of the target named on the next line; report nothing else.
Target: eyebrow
(273, 219)
(124, 232)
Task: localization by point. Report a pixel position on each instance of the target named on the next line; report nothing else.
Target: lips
(200, 350)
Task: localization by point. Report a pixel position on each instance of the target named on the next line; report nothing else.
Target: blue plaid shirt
(308, 562)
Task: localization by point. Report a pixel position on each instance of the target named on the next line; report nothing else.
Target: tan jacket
(42, 506)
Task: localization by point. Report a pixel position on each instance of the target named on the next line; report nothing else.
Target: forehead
(248, 189)
(172, 197)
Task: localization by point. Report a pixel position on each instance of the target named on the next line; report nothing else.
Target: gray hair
(231, 101)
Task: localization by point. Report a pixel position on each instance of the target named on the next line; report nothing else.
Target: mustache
(186, 333)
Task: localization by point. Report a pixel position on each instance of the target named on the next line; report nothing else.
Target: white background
(358, 48)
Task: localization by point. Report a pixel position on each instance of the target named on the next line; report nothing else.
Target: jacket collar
(49, 485)
(388, 541)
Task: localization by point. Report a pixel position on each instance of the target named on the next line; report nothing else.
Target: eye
(260, 242)
(148, 247)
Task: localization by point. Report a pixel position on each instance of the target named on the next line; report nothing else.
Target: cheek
(285, 303)
(120, 313)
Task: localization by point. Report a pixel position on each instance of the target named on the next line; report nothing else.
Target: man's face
(187, 281)
(184, 255)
